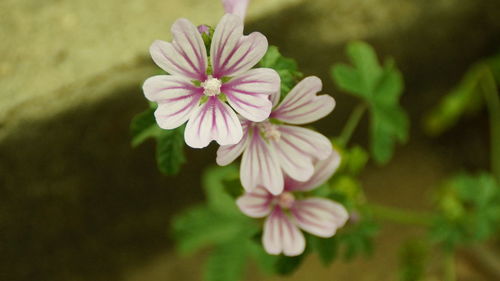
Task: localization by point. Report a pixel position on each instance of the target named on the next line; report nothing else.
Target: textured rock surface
(52, 48)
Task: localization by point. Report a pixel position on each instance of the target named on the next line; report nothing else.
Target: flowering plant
(236, 90)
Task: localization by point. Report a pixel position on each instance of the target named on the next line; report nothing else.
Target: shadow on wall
(78, 203)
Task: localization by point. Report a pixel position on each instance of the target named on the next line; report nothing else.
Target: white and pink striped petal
(282, 236)
(249, 93)
(318, 216)
(260, 166)
(232, 53)
(295, 162)
(256, 203)
(275, 98)
(323, 170)
(177, 98)
(213, 120)
(226, 154)
(237, 7)
(304, 141)
(302, 105)
(186, 56)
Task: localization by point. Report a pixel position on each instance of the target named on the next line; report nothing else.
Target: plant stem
(493, 102)
(449, 266)
(352, 123)
(400, 216)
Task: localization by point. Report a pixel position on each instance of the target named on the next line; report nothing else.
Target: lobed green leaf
(170, 151)
(379, 87)
(227, 261)
(143, 126)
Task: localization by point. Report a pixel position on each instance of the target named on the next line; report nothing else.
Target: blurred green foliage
(286, 67)
(466, 98)
(218, 224)
(469, 210)
(380, 87)
(414, 257)
(169, 143)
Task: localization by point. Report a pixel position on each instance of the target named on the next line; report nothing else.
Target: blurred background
(78, 203)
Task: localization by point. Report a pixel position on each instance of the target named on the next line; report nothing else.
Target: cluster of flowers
(223, 98)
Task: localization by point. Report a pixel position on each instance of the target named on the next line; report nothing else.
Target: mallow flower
(289, 212)
(206, 92)
(272, 147)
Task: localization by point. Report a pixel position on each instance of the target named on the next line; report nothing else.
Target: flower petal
(275, 98)
(282, 236)
(213, 120)
(232, 53)
(308, 141)
(260, 166)
(302, 106)
(255, 204)
(185, 56)
(294, 160)
(318, 216)
(323, 170)
(237, 7)
(177, 98)
(249, 93)
(228, 153)
(297, 148)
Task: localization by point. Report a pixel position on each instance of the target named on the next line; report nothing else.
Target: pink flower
(286, 214)
(271, 147)
(237, 7)
(197, 93)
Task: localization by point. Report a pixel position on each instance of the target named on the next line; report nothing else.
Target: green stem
(399, 215)
(352, 123)
(493, 102)
(449, 266)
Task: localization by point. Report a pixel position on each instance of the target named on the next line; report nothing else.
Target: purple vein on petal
(303, 219)
(301, 151)
(197, 53)
(183, 70)
(188, 105)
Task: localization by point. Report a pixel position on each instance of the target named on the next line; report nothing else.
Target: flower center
(211, 86)
(270, 131)
(285, 200)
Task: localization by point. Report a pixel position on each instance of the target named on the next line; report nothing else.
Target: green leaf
(388, 126)
(202, 226)
(389, 86)
(286, 67)
(170, 150)
(380, 88)
(465, 98)
(468, 210)
(358, 238)
(348, 79)
(169, 143)
(365, 61)
(326, 248)
(143, 126)
(265, 261)
(287, 265)
(215, 180)
(227, 261)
